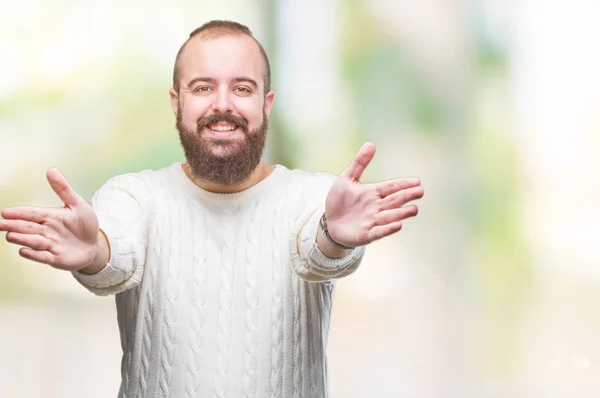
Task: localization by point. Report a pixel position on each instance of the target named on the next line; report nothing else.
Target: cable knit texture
(219, 295)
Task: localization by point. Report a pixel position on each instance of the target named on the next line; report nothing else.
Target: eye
(202, 89)
(242, 90)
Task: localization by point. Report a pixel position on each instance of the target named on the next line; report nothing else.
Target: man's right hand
(66, 238)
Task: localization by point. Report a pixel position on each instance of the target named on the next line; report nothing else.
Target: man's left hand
(358, 214)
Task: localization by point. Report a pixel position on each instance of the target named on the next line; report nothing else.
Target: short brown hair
(217, 28)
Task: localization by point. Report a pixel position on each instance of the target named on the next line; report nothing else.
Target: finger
(27, 213)
(36, 242)
(384, 230)
(395, 215)
(360, 162)
(40, 256)
(386, 188)
(21, 226)
(62, 188)
(401, 197)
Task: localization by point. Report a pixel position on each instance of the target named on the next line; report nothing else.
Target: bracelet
(323, 225)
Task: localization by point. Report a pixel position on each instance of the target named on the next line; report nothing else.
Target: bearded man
(223, 267)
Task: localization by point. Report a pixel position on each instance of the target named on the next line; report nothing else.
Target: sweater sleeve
(121, 215)
(308, 262)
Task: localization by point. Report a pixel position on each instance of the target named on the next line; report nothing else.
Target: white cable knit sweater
(218, 295)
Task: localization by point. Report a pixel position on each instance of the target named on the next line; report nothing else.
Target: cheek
(253, 113)
(192, 109)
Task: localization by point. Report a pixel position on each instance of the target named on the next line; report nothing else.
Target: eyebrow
(241, 79)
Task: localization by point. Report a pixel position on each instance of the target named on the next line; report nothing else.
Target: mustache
(206, 121)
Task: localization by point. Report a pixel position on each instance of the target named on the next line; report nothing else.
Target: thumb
(62, 188)
(360, 162)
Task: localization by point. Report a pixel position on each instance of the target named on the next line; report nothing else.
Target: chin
(223, 149)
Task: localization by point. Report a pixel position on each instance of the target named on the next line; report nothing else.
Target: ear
(174, 100)
(269, 102)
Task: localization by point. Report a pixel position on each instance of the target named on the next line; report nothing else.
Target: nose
(223, 103)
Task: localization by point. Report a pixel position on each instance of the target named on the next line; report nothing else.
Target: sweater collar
(228, 200)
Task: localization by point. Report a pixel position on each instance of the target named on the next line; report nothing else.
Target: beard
(233, 161)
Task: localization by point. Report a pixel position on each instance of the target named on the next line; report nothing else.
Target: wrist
(325, 231)
(101, 255)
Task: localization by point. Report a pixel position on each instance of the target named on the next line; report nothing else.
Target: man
(223, 266)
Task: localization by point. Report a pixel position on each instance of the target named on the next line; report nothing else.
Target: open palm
(65, 237)
(359, 214)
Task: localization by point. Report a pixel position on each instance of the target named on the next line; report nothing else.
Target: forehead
(222, 58)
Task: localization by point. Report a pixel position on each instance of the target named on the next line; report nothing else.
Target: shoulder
(139, 183)
(312, 179)
(308, 184)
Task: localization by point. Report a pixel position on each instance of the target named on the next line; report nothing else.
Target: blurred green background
(491, 291)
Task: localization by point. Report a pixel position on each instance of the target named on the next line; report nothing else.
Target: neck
(261, 172)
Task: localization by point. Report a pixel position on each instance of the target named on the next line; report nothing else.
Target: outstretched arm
(331, 240)
(102, 244)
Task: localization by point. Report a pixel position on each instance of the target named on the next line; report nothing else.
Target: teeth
(222, 128)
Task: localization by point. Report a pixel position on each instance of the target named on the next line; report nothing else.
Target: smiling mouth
(220, 128)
